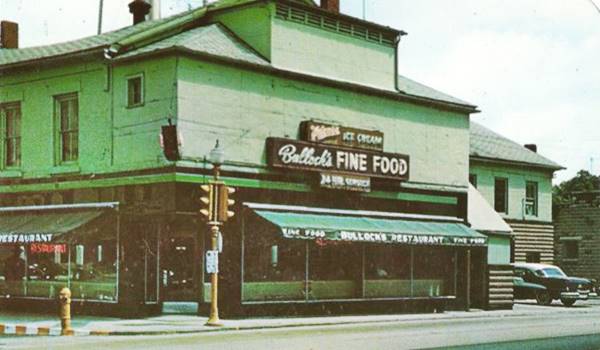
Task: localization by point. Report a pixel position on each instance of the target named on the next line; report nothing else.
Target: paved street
(567, 328)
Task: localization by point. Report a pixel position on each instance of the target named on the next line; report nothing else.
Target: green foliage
(563, 193)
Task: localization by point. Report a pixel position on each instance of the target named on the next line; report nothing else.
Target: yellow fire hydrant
(64, 298)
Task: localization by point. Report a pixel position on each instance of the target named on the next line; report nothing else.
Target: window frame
(531, 201)
(571, 249)
(505, 180)
(59, 133)
(129, 103)
(4, 138)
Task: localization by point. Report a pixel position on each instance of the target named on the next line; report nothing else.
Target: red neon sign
(37, 248)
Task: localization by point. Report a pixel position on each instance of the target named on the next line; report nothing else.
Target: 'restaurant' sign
(340, 135)
(285, 153)
(26, 238)
(381, 237)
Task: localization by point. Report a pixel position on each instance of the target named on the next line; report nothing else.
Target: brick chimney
(532, 147)
(139, 9)
(9, 35)
(331, 5)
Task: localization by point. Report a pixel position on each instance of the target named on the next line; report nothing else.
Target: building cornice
(496, 161)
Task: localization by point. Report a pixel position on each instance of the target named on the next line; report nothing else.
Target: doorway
(178, 269)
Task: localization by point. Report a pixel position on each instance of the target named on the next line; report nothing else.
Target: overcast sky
(531, 66)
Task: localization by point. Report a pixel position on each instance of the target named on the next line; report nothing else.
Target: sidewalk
(28, 324)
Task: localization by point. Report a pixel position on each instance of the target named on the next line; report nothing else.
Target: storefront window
(335, 270)
(274, 267)
(275, 261)
(93, 270)
(14, 270)
(433, 272)
(41, 270)
(387, 271)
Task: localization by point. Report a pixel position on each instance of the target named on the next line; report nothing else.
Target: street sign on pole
(212, 261)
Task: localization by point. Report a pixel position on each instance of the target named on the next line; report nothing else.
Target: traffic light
(216, 202)
(225, 203)
(208, 199)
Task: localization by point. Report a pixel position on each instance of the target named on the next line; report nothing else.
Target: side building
(351, 181)
(578, 236)
(517, 182)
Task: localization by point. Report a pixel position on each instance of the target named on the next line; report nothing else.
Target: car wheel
(568, 302)
(543, 298)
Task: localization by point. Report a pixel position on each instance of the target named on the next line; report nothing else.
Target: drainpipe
(396, 49)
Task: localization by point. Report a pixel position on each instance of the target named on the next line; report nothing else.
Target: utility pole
(100, 17)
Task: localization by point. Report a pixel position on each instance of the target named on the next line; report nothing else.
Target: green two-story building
(517, 182)
(351, 180)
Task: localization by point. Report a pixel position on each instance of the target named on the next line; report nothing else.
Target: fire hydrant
(64, 298)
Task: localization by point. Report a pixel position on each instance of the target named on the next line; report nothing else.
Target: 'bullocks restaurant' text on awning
(381, 237)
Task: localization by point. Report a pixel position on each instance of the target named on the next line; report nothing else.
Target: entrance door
(178, 269)
(478, 274)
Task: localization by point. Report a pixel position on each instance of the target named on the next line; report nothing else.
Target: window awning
(483, 217)
(42, 226)
(370, 229)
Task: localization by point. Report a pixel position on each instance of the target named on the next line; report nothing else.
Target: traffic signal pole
(213, 319)
(216, 210)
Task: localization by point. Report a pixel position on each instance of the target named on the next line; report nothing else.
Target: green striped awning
(370, 229)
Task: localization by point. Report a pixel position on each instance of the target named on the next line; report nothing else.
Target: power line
(364, 9)
(596, 6)
(100, 10)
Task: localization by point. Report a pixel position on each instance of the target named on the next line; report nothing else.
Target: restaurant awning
(372, 229)
(43, 224)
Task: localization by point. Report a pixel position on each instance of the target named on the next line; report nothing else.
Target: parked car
(548, 282)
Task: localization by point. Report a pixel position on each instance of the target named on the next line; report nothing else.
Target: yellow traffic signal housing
(215, 202)
(225, 203)
(209, 201)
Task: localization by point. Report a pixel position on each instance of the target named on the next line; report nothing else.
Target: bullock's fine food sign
(285, 153)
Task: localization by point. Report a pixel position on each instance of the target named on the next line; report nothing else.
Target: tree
(562, 194)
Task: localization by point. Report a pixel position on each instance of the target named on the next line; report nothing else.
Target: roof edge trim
(514, 162)
(99, 205)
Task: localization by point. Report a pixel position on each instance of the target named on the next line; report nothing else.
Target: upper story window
(473, 180)
(531, 198)
(135, 91)
(501, 195)
(67, 125)
(10, 125)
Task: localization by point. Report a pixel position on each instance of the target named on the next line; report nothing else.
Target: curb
(24, 330)
(333, 322)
